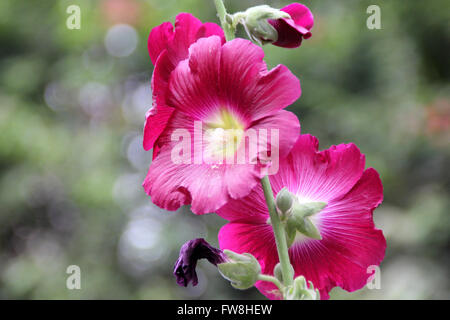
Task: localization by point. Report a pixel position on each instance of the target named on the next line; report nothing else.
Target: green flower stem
(275, 281)
(222, 13)
(278, 230)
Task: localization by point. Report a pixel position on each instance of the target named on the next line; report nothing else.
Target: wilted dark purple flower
(190, 253)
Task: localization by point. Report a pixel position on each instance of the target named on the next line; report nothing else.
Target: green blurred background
(72, 106)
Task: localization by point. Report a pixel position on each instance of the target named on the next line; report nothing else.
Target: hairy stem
(278, 230)
(222, 13)
(275, 281)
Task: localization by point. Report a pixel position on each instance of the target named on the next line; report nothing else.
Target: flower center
(226, 120)
(223, 136)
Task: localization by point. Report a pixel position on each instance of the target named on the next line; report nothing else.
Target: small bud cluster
(300, 290)
(296, 216)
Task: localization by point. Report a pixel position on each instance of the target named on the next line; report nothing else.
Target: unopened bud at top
(256, 23)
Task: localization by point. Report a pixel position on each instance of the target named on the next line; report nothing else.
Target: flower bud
(293, 30)
(256, 23)
(301, 291)
(241, 269)
(284, 202)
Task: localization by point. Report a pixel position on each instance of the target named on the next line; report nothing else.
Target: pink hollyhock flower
(292, 31)
(350, 242)
(167, 47)
(221, 86)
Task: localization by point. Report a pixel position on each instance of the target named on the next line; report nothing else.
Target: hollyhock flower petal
(288, 127)
(267, 91)
(158, 39)
(256, 239)
(215, 76)
(350, 242)
(324, 175)
(254, 206)
(292, 31)
(155, 123)
(194, 85)
(206, 187)
(167, 47)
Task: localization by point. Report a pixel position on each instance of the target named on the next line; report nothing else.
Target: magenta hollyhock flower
(220, 87)
(292, 31)
(167, 47)
(350, 242)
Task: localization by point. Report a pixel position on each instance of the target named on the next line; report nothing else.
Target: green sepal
(300, 220)
(291, 233)
(308, 208)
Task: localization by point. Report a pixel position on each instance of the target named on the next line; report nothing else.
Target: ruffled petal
(251, 209)
(232, 76)
(194, 83)
(292, 31)
(253, 90)
(155, 122)
(283, 129)
(210, 29)
(159, 115)
(320, 176)
(158, 40)
(300, 14)
(206, 186)
(167, 47)
(188, 29)
(256, 239)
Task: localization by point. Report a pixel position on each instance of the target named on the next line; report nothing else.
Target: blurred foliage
(72, 106)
